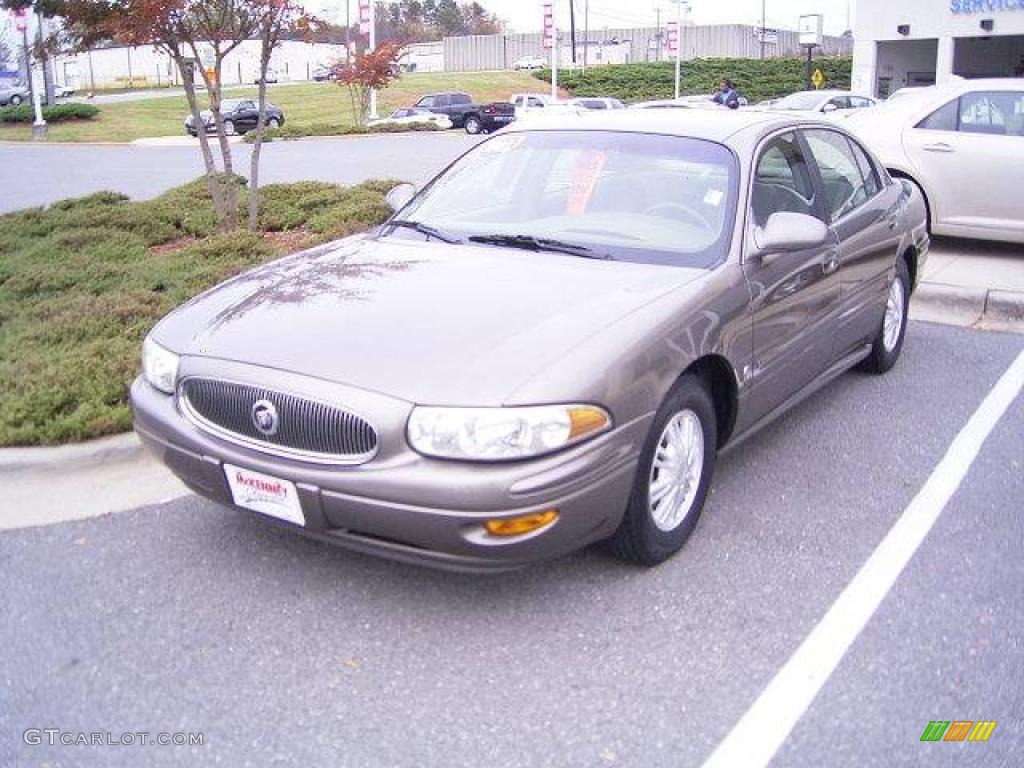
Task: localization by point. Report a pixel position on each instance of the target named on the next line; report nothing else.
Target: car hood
(422, 321)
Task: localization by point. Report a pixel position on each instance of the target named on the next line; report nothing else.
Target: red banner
(364, 17)
(549, 25)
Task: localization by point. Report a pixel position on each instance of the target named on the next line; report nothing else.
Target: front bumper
(407, 507)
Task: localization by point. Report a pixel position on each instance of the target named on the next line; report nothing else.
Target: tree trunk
(254, 159)
(228, 184)
(212, 181)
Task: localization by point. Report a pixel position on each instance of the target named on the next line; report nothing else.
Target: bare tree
(276, 20)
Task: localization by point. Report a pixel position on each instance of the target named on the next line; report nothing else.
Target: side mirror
(398, 196)
(785, 232)
(830, 107)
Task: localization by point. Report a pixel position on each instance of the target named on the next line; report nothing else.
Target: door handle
(830, 264)
(939, 146)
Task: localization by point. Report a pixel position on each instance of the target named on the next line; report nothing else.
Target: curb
(124, 447)
(985, 308)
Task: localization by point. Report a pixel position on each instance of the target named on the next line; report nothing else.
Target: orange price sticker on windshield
(585, 173)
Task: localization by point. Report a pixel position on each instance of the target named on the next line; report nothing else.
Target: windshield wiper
(531, 243)
(423, 229)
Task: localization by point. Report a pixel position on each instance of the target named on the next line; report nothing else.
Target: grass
(304, 104)
(322, 129)
(83, 281)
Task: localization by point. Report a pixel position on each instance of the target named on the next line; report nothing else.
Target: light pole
(679, 40)
(764, 21)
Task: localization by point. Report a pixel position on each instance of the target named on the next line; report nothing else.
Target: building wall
(958, 42)
(481, 52)
(146, 66)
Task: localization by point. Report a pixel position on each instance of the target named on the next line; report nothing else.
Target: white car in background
(597, 102)
(821, 101)
(962, 144)
(530, 62)
(409, 115)
(529, 104)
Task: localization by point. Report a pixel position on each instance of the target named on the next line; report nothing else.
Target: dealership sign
(985, 6)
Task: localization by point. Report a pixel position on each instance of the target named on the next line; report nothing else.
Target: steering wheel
(672, 208)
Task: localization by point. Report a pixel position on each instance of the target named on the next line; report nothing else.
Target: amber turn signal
(516, 526)
(586, 420)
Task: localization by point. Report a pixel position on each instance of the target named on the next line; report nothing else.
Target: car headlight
(159, 366)
(502, 434)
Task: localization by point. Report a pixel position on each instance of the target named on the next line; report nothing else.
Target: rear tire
(672, 477)
(229, 127)
(886, 347)
(15, 100)
(273, 123)
(473, 125)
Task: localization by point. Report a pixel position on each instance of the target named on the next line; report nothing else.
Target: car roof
(711, 125)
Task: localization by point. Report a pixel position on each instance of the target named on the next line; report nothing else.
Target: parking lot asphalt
(285, 651)
(41, 174)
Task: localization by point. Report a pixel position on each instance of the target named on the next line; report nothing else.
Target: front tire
(273, 123)
(886, 347)
(229, 127)
(15, 100)
(473, 125)
(672, 478)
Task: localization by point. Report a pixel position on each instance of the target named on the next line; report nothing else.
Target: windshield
(808, 100)
(629, 196)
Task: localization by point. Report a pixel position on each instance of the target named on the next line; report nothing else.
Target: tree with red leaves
(368, 71)
(181, 28)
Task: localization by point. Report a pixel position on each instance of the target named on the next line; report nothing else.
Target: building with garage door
(921, 42)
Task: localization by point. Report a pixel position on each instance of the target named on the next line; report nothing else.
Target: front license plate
(264, 493)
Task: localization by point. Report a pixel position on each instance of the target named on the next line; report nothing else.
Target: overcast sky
(525, 15)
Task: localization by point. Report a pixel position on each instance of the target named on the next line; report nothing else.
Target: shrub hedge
(756, 79)
(83, 281)
(330, 129)
(56, 113)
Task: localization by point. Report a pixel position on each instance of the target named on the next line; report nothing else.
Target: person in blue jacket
(727, 95)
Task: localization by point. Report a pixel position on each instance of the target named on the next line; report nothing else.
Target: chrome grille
(307, 429)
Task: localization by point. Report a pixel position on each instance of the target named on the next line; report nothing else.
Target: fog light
(516, 526)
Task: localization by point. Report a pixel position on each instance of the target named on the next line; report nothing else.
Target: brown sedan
(548, 344)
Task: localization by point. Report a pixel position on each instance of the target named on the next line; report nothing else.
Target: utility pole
(373, 45)
(572, 28)
(586, 32)
(679, 41)
(657, 35)
(554, 50)
(764, 21)
(348, 31)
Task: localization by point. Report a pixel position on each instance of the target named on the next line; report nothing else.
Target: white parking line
(764, 727)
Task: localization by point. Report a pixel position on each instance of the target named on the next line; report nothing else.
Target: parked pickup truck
(465, 114)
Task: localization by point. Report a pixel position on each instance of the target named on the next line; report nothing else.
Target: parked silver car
(962, 144)
(548, 344)
(13, 94)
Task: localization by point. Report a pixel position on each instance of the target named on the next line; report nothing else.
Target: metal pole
(657, 35)
(572, 28)
(348, 31)
(554, 50)
(373, 43)
(764, 21)
(586, 32)
(679, 40)
(810, 48)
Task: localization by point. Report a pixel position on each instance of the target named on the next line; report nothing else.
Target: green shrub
(81, 285)
(56, 113)
(328, 129)
(756, 79)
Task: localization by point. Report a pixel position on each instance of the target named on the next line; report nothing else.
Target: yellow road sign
(818, 78)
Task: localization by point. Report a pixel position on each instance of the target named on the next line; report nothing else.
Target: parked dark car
(504, 372)
(475, 118)
(240, 115)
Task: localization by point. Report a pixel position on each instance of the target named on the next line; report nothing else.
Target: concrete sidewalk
(972, 283)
